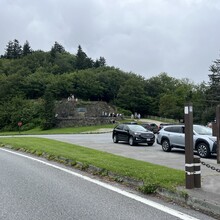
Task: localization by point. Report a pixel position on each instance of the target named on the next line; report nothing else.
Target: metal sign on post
(189, 163)
(19, 126)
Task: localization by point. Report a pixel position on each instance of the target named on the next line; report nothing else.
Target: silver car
(173, 136)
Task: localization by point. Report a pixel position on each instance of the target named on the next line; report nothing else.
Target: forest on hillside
(31, 81)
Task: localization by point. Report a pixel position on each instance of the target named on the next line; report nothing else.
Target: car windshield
(202, 130)
(136, 128)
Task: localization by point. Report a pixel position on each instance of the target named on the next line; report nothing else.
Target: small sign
(186, 110)
(19, 124)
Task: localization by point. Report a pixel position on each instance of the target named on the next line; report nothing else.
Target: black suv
(132, 134)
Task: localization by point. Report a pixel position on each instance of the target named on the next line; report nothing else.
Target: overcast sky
(146, 37)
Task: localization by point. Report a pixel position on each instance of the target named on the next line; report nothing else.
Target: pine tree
(9, 50)
(13, 50)
(99, 62)
(26, 49)
(17, 49)
(214, 88)
(82, 61)
(102, 61)
(58, 48)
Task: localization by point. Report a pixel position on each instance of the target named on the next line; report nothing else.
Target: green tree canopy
(26, 49)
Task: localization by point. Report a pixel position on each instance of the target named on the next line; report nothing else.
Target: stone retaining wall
(88, 121)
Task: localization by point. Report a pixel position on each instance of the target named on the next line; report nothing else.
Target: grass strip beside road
(68, 130)
(152, 175)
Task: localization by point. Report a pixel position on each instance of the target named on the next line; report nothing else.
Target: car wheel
(203, 150)
(166, 145)
(115, 139)
(131, 141)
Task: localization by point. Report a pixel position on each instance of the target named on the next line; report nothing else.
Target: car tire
(115, 138)
(203, 150)
(166, 145)
(131, 141)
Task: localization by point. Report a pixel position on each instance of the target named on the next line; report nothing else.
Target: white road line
(155, 205)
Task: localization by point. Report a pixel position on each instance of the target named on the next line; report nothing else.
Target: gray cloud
(146, 37)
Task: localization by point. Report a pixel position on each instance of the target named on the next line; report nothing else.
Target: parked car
(132, 134)
(150, 126)
(173, 136)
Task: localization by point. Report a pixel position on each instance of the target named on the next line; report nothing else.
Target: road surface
(33, 188)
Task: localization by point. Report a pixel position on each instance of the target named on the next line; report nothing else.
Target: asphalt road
(35, 189)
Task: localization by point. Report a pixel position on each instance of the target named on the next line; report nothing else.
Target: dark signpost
(192, 163)
(217, 132)
(189, 168)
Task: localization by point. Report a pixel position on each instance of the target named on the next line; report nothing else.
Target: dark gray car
(132, 134)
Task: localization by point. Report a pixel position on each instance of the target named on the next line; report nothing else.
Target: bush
(28, 126)
(124, 111)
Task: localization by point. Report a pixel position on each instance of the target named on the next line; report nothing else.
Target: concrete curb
(188, 198)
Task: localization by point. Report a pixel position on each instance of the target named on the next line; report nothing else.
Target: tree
(110, 80)
(17, 49)
(13, 50)
(26, 49)
(168, 110)
(213, 93)
(48, 111)
(101, 62)
(131, 96)
(82, 61)
(9, 50)
(57, 48)
(86, 85)
(158, 86)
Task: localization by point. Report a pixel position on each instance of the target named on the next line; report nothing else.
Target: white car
(173, 136)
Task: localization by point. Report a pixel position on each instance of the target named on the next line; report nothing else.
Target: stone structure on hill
(73, 112)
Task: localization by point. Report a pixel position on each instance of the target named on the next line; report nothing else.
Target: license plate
(148, 139)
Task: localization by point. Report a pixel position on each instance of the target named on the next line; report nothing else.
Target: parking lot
(153, 154)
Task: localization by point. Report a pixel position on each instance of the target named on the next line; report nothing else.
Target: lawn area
(150, 174)
(68, 130)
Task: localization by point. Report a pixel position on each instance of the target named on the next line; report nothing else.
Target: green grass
(69, 130)
(155, 176)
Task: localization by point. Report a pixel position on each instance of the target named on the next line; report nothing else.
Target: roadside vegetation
(33, 81)
(153, 176)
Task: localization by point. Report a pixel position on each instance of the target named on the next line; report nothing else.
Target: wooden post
(189, 163)
(218, 132)
(197, 172)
